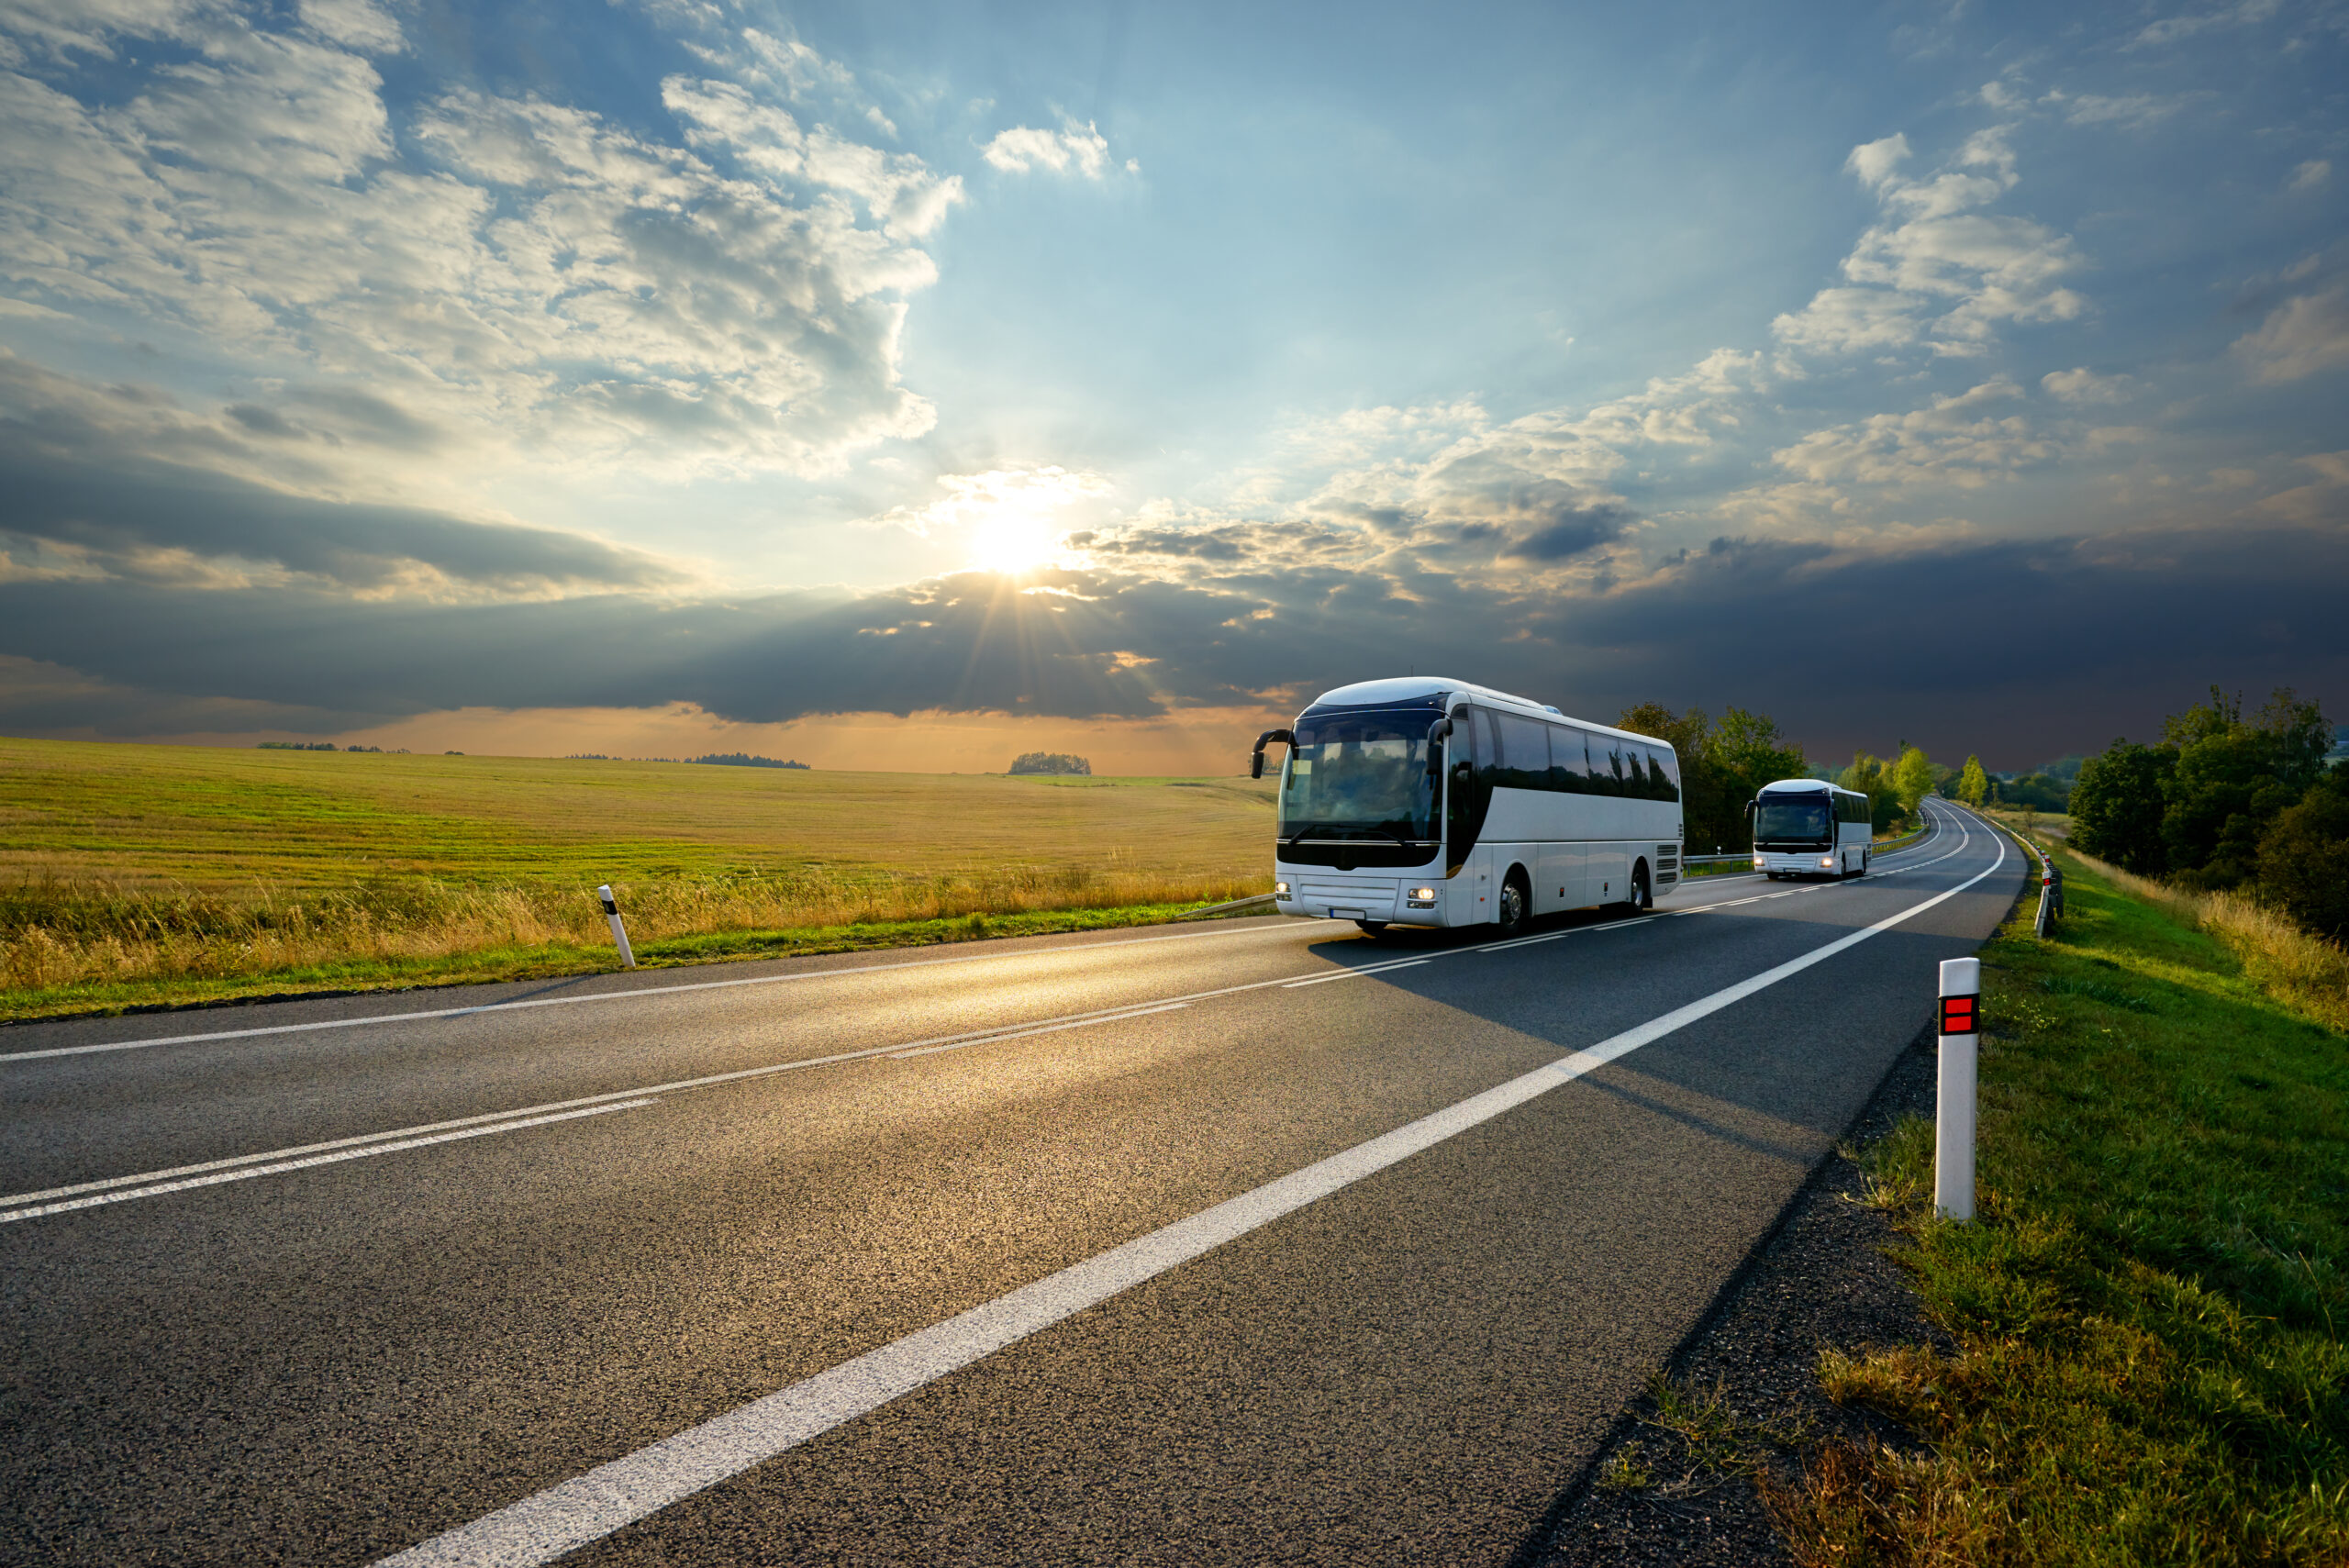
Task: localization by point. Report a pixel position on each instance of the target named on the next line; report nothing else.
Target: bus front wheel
(1515, 902)
(1373, 927)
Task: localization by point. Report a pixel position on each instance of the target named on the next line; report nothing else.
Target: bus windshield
(1360, 776)
(1802, 820)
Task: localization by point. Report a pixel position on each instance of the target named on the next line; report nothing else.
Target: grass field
(2150, 1309)
(139, 874)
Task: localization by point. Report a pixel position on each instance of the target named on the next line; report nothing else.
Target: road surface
(1254, 1241)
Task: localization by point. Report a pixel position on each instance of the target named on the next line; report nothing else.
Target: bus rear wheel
(1642, 898)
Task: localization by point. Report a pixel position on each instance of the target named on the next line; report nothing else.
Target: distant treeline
(719, 759)
(1051, 763)
(323, 746)
(742, 759)
(2227, 802)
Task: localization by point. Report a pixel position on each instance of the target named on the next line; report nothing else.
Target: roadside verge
(2135, 1355)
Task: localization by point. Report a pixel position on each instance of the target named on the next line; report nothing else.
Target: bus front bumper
(1796, 863)
(1324, 895)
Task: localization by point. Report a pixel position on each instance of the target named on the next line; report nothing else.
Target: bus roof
(1417, 689)
(1805, 786)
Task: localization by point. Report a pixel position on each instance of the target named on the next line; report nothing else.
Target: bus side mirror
(1256, 762)
(1438, 731)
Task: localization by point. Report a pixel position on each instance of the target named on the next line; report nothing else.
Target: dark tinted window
(1525, 752)
(1569, 769)
(1796, 819)
(1664, 774)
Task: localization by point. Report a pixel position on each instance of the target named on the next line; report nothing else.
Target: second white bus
(1810, 828)
(1435, 801)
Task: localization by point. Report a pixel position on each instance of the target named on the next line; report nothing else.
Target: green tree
(2304, 857)
(1723, 766)
(1973, 784)
(2117, 805)
(1912, 777)
(2233, 777)
(1871, 776)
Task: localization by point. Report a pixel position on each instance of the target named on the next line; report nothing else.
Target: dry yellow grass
(129, 870)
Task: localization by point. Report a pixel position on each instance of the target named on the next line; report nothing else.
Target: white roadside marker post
(619, 933)
(1954, 1101)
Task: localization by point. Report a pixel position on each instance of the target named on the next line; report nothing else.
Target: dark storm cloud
(1574, 531)
(118, 509)
(2014, 650)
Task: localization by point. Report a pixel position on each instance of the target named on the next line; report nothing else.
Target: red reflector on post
(1957, 1015)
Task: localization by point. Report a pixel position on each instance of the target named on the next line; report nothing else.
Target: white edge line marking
(899, 1050)
(566, 1516)
(95, 1199)
(642, 991)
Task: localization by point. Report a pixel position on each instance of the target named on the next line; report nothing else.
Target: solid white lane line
(1358, 973)
(633, 994)
(900, 1049)
(215, 1178)
(1045, 1028)
(566, 1516)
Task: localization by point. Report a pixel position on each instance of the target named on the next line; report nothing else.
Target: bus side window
(1566, 759)
(1525, 751)
(1662, 777)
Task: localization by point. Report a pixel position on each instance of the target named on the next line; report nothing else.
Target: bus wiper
(1350, 829)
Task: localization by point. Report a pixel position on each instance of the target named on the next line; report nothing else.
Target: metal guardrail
(2050, 882)
(1227, 908)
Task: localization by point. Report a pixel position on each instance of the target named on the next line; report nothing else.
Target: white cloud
(2310, 174)
(1874, 162)
(528, 273)
(1848, 320)
(2170, 29)
(2081, 385)
(2301, 338)
(1962, 441)
(1083, 151)
(896, 189)
(1937, 268)
(2134, 112)
(361, 24)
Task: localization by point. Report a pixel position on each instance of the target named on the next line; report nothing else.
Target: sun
(1012, 540)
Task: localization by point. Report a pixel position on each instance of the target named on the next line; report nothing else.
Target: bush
(1051, 763)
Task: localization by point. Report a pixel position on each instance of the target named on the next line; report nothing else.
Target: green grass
(2149, 1309)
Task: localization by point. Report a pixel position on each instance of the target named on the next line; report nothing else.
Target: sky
(904, 386)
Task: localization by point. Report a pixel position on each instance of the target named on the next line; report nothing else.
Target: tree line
(2228, 801)
(1725, 762)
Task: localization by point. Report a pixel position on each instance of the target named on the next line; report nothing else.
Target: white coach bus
(1432, 801)
(1810, 828)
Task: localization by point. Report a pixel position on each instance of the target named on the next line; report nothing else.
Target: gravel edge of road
(1822, 1276)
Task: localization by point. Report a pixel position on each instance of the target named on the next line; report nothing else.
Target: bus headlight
(1827, 860)
(1423, 892)
(1759, 863)
(1418, 898)
(1280, 890)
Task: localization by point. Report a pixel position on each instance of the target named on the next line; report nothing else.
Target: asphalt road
(1256, 1242)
